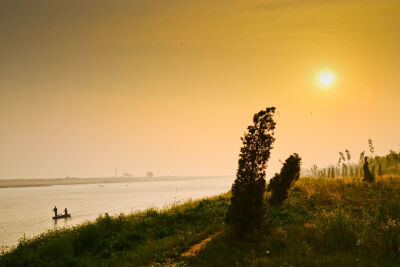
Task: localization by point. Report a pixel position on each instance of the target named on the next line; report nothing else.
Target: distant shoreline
(10, 183)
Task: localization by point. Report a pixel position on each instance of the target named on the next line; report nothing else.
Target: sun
(326, 79)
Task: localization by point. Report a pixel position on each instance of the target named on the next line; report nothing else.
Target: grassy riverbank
(325, 222)
(138, 239)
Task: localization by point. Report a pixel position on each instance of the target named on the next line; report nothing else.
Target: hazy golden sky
(170, 86)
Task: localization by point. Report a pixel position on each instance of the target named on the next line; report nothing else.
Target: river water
(28, 210)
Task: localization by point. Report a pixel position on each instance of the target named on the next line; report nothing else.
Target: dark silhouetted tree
(368, 176)
(281, 183)
(333, 172)
(247, 208)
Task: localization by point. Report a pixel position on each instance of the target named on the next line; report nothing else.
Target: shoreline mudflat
(7, 183)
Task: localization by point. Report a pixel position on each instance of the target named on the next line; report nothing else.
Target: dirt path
(193, 250)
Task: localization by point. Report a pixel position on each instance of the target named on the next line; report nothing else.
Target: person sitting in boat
(55, 211)
(65, 211)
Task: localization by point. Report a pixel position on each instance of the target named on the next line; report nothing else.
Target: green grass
(324, 222)
(127, 240)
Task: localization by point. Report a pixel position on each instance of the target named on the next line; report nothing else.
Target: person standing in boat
(55, 211)
(65, 211)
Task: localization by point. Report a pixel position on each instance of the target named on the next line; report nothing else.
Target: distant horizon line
(111, 177)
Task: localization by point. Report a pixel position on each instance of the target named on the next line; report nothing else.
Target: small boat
(60, 216)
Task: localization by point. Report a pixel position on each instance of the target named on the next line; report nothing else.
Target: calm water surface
(28, 210)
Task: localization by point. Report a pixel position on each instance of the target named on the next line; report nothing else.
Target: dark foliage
(282, 182)
(247, 208)
(368, 176)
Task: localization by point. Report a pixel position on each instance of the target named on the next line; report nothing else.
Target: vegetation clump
(280, 184)
(247, 208)
(368, 176)
(323, 222)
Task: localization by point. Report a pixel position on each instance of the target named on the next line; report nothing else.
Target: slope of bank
(324, 222)
(137, 239)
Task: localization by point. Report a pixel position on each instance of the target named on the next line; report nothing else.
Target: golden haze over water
(170, 86)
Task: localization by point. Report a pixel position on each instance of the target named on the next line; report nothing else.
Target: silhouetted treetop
(280, 184)
(368, 176)
(247, 208)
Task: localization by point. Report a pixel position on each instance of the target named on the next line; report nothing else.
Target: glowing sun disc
(326, 79)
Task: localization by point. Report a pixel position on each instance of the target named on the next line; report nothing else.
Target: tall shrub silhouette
(247, 208)
(281, 183)
(368, 176)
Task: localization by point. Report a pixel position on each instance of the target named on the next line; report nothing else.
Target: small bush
(281, 183)
(368, 176)
(86, 238)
